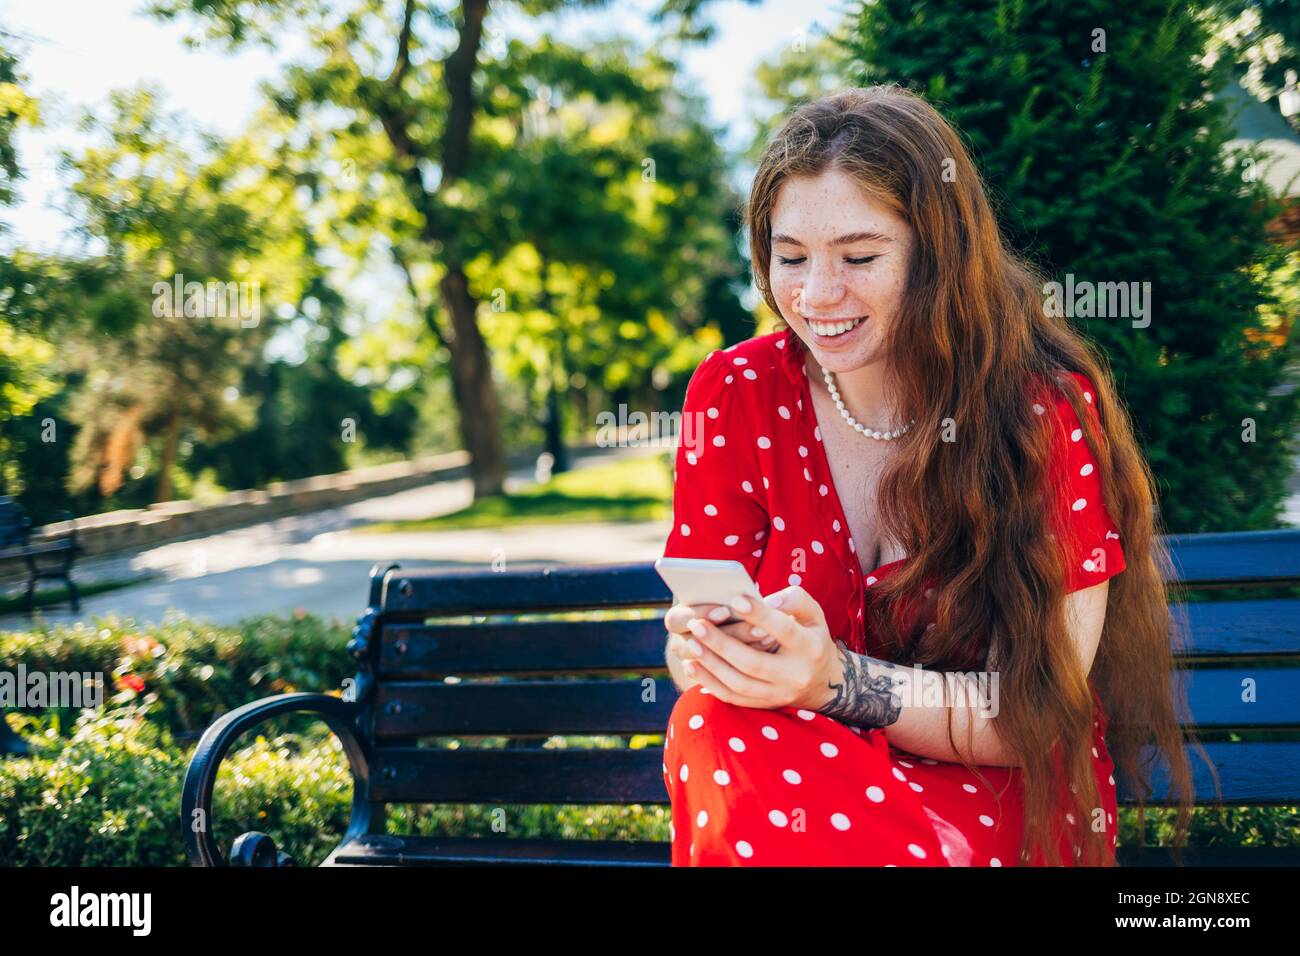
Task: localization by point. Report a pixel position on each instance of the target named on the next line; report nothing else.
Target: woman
(934, 485)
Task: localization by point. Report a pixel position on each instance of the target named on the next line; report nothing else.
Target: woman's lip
(833, 339)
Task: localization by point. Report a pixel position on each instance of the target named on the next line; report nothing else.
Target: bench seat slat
(1258, 774)
(450, 851)
(1260, 629)
(443, 851)
(410, 709)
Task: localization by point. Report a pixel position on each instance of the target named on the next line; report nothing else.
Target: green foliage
(1095, 125)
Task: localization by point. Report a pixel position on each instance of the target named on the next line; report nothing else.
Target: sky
(75, 51)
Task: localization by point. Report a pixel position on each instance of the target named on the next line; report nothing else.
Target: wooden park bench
(418, 678)
(16, 545)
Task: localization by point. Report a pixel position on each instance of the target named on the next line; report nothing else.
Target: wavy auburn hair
(970, 338)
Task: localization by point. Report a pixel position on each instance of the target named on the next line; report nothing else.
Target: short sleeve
(719, 494)
(1086, 529)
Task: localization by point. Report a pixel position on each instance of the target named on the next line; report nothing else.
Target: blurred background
(290, 287)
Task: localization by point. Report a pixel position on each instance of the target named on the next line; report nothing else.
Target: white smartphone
(707, 581)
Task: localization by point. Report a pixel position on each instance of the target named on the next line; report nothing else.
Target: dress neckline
(793, 357)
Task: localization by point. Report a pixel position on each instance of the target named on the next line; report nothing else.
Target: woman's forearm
(910, 703)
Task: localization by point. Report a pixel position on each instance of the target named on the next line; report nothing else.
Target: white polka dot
(899, 774)
(737, 745)
(686, 530)
(1080, 504)
(916, 786)
(696, 722)
(822, 490)
(986, 819)
(731, 539)
(744, 849)
(1069, 818)
(757, 554)
(740, 360)
(721, 778)
(713, 413)
(1038, 409)
(803, 452)
(1076, 434)
(807, 475)
(851, 547)
(784, 412)
(945, 851)
(747, 486)
(1087, 397)
(932, 763)
(875, 794)
(710, 510)
(794, 579)
(1111, 778)
(770, 732)
(871, 579)
(805, 714)
(778, 523)
(995, 862)
(778, 818)
(1094, 752)
(690, 458)
(750, 374)
(839, 821)
(719, 441)
(683, 773)
(764, 441)
(1086, 469)
(829, 749)
(792, 776)
(818, 547)
(1088, 565)
(780, 343)
(836, 524)
(817, 433)
(730, 379)
(702, 818)
(916, 851)
(765, 484)
(904, 763)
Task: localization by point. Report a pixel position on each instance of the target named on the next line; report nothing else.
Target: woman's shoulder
(746, 368)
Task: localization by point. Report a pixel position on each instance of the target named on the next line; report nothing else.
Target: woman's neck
(864, 391)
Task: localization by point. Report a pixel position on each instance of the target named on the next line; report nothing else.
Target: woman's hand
(799, 674)
(686, 647)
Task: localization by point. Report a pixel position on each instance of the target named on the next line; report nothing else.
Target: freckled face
(838, 255)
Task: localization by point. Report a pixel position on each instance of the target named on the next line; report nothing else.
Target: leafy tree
(425, 118)
(1095, 124)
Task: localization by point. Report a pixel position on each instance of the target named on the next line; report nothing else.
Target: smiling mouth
(829, 330)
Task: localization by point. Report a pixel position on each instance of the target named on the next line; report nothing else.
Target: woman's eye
(854, 262)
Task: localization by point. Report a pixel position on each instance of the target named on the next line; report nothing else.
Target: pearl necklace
(863, 429)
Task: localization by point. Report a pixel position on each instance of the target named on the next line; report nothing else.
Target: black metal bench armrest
(254, 849)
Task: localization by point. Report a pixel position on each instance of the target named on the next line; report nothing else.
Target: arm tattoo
(866, 695)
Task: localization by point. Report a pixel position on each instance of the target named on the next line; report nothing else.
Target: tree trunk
(170, 441)
(471, 367)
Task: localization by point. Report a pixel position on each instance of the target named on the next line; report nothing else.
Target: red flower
(132, 681)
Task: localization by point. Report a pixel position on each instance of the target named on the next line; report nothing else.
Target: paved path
(314, 561)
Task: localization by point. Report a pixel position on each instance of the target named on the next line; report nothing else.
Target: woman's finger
(741, 667)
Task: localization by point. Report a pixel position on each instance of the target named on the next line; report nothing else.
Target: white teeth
(832, 328)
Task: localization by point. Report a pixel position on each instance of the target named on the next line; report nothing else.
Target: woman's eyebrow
(843, 240)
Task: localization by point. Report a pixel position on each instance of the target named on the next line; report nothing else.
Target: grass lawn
(45, 597)
(638, 489)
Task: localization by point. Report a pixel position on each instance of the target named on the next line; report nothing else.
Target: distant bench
(402, 696)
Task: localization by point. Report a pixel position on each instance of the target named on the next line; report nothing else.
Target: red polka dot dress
(791, 787)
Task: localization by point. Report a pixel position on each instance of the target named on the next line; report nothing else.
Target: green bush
(187, 672)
